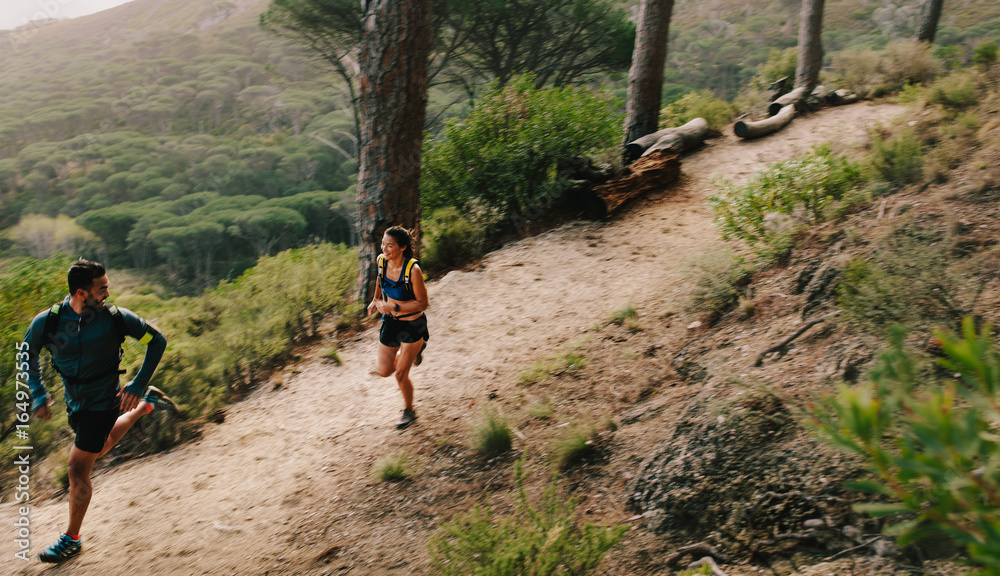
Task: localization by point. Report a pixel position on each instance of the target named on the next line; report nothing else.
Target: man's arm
(33, 339)
(155, 343)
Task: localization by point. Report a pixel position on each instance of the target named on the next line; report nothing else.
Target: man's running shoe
(406, 419)
(159, 401)
(64, 549)
(420, 355)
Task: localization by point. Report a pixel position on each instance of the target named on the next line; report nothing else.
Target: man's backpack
(49, 338)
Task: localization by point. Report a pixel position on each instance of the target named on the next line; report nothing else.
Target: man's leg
(123, 424)
(81, 463)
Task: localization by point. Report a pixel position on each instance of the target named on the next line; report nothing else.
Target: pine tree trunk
(395, 48)
(810, 45)
(929, 21)
(645, 77)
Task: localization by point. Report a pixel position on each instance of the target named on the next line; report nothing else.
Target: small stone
(695, 324)
(813, 523)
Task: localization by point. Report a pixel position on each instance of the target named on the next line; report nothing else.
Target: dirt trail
(281, 480)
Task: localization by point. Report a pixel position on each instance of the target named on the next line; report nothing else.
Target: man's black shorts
(92, 428)
(409, 331)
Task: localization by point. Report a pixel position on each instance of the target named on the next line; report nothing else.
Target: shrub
(622, 314)
(717, 276)
(913, 277)
(985, 54)
(765, 208)
(860, 72)
(931, 445)
(332, 354)
(955, 92)
(509, 152)
(451, 238)
(897, 159)
(392, 468)
(909, 62)
(541, 540)
(493, 435)
(699, 104)
(565, 363)
(575, 445)
(869, 73)
(541, 410)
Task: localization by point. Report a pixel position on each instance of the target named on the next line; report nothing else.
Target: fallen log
(681, 139)
(649, 173)
(843, 97)
(791, 98)
(766, 126)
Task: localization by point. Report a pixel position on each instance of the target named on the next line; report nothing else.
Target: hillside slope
(283, 485)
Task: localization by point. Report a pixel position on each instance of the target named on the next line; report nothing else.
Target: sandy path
(234, 501)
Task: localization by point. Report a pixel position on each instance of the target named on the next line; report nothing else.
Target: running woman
(401, 298)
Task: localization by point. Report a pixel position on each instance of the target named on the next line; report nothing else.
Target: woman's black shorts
(409, 331)
(92, 428)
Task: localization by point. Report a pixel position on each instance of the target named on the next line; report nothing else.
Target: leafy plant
(915, 278)
(578, 443)
(392, 468)
(565, 363)
(806, 188)
(897, 159)
(717, 276)
(931, 445)
(493, 435)
(621, 315)
(451, 237)
(509, 152)
(536, 540)
(698, 104)
(331, 353)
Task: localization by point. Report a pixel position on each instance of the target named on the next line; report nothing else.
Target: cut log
(790, 98)
(777, 89)
(766, 126)
(649, 173)
(843, 97)
(669, 143)
(693, 134)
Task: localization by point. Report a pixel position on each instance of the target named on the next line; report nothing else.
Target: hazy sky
(14, 13)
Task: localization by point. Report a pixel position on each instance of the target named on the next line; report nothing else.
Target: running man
(84, 337)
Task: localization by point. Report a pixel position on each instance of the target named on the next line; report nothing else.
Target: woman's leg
(385, 363)
(407, 353)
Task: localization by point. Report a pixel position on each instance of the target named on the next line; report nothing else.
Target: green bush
(565, 363)
(913, 277)
(699, 104)
(717, 276)
(897, 159)
(541, 540)
(621, 315)
(451, 237)
(869, 73)
(392, 468)
(509, 152)
(931, 445)
(576, 444)
(493, 435)
(955, 92)
(985, 54)
(764, 210)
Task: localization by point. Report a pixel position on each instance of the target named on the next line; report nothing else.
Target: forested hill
(173, 131)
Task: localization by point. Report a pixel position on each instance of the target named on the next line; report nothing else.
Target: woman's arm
(374, 305)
